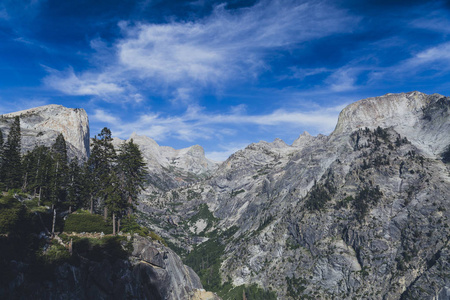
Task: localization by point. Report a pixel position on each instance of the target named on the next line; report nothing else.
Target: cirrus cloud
(225, 47)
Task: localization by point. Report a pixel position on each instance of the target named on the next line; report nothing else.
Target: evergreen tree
(115, 200)
(88, 185)
(60, 148)
(101, 163)
(38, 168)
(131, 167)
(12, 167)
(59, 172)
(1, 160)
(75, 186)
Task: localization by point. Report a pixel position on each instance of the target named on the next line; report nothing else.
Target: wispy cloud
(86, 84)
(437, 21)
(196, 124)
(439, 54)
(186, 57)
(435, 59)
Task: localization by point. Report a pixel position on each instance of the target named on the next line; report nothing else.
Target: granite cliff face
(41, 126)
(362, 213)
(422, 118)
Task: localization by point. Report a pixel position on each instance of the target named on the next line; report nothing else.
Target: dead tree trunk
(54, 221)
(114, 223)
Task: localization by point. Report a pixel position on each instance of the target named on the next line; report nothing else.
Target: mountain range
(359, 214)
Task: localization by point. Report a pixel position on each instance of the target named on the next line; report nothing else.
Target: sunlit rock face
(41, 126)
(362, 213)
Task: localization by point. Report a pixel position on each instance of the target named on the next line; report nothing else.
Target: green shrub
(56, 253)
(317, 198)
(14, 216)
(156, 237)
(130, 225)
(85, 222)
(366, 197)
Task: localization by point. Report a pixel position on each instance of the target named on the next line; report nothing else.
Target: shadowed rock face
(41, 126)
(362, 213)
(151, 272)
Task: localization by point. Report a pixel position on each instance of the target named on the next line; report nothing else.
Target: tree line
(109, 182)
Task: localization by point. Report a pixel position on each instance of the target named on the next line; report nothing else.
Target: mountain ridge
(347, 208)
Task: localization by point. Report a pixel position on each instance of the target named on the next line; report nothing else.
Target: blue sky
(221, 74)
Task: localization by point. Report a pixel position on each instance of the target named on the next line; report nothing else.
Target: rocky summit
(362, 213)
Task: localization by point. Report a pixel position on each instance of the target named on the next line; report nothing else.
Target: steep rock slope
(170, 168)
(41, 126)
(360, 213)
(151, 271)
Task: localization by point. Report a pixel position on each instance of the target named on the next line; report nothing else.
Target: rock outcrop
(41, 126)
(152, 271)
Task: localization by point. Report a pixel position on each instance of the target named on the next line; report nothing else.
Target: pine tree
(1, 160)
(38, 168)
(101, 163)
(12, 167)
(88, 184)
(131, 167)
(75, 186)
(59, 171)
(115, 200)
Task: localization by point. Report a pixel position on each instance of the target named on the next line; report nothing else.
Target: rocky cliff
(362, 213)
(41, 126)
(151, 271)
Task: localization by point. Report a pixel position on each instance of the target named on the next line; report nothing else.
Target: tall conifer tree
(131, 167)
(59, 172)
(12, 167)
(101, 163)
(75, 185)
(1, 160)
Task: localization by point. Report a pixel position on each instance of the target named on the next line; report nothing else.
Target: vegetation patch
(204, 214)
(317, 197)
(366, 197)
(191, 195)
(296, 287)
(205, 259)
(83, 221)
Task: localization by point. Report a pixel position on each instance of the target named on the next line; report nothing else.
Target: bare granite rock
(359, 214)
(41, 126)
